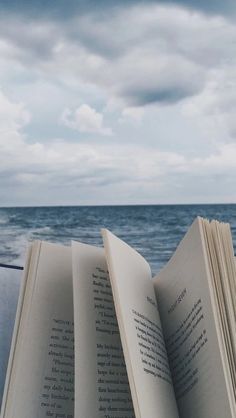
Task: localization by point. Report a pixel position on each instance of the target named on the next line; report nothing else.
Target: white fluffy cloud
(110, 172)
(13, 116)
(135, 114)
(85, 119)
(215, 107)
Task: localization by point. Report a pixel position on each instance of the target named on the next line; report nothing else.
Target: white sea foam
(4, 220)
(41, 230)
(17, 249)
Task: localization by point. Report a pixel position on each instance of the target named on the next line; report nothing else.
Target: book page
(141, 331)
(40, 376)
(10, 279)
(101, 383)
(188, 313)
(225, 284)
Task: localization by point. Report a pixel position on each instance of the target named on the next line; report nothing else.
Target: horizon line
(115, 205)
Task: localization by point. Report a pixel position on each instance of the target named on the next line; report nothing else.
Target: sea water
(153, 230)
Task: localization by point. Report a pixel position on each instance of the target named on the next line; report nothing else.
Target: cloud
(90, 173)
(161, 66)
(60, 10)
(34, 41)
(166, 57)
(215, 7)
(215, 107)
(85, 119)
(157, 79)
(13, 116)
(134, 114)
(105, 174)
(222, 162)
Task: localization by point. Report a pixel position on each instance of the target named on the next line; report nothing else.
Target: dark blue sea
(154, 231)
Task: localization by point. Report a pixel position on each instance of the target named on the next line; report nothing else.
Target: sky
(117, 102)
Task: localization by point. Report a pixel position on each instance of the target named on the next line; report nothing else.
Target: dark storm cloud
(63, 9)
(226, 7)
(159, 61)
(138, 55)
(166, 95)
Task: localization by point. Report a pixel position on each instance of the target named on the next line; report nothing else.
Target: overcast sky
(117, 102)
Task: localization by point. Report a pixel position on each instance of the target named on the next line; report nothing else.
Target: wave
(4, 220)
(154, 231)
(42, 230)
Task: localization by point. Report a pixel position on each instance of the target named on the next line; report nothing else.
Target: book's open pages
(223, 273)
(162, 348)
(195, 327)
(140, 330)
(101, 383)
(39, 380)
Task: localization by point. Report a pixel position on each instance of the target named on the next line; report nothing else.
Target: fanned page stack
(96, 337)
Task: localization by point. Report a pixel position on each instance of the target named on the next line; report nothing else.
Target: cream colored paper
(188, 309)
(101, 383)
(45, 303)
(137, 313)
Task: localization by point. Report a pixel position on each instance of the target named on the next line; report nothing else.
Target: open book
(121, 344)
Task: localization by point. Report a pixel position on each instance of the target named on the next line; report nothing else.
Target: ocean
(153, 230)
